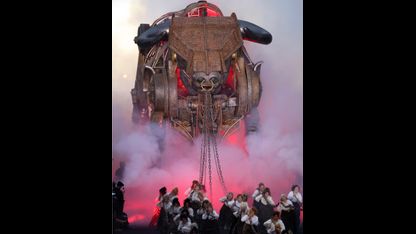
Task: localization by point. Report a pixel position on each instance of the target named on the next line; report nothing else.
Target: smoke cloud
(274, 155)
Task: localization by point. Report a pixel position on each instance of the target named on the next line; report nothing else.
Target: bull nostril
(207, 85)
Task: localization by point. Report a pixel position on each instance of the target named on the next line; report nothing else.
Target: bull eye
(200, 79)
(214, 79)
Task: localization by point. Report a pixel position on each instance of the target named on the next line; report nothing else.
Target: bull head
(159, 32)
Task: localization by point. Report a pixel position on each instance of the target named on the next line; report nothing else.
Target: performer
(156, 211)
(197, 197)
(185, 224)
(165, 202)
(237, 203)
(210, 213)
(286, 209)
(226, 213)
(265, 197)
(265, 205)
(296, 198)
(275, 225)
(200, 212)
(235, 208)
(250, 222)
(210, 220)
(163, 221)
(174, 211)
(187, 207)
(203, 208)
(174, 194)
(243, 210)
(119, 198)
(202, 195)
(188, 192)
(259, 190)
(177, 218)
(119, 174)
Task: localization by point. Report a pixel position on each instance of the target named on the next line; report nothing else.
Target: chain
(207, 115)
(218, 165)
(201, 164)
(216, 155)
(203, 157)
(205, 154)
(209, 139)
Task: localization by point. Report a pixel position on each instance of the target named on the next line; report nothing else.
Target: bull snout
(206, 82)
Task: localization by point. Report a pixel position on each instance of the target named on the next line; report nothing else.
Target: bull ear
(154, 34)
(252, 32)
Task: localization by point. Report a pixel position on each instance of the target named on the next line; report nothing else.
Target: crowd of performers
(197, 215)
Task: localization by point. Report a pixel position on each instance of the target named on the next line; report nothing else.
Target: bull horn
(153, 35)
(252, 32)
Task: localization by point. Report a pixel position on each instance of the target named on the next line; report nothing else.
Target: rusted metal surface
(256, 88)
(205, 42)
(242, 108)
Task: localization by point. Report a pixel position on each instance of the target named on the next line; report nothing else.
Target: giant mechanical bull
(195, 74)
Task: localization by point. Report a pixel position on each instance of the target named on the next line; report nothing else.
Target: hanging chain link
(202, 158)
(206, 113)
(218, 166)
(216, 155)
(209, 139)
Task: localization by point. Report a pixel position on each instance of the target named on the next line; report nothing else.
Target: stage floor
(137, 230)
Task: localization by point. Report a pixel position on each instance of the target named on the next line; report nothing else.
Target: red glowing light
(233, 139)
(238, 138)
(155, 217)
(252, 40)
(301, 216)
(230, 78)
(135, 218)
(212, 13)
(182, 90)
(198, 12)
